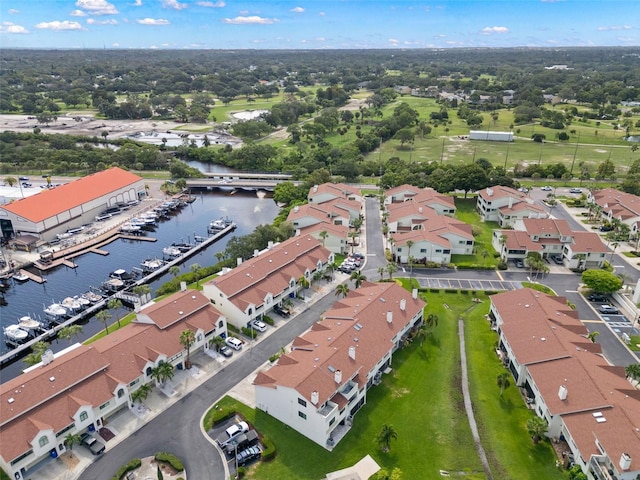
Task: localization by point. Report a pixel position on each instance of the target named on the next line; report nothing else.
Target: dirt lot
(88, 125)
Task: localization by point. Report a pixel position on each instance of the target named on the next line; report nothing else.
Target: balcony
(328, 409)
(599, 469)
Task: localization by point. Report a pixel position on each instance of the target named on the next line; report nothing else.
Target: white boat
(171, 252)
(113, 285)
(218, 225)
(129, 228)
(55, 312)
(84, 303)
(92, 297)
(27, 323)
(20, 277)
(14, 334)
(151, 264)
(72, 305)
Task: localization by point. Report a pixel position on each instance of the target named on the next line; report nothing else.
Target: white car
(259, 326)
(546, 188)
(234, 343)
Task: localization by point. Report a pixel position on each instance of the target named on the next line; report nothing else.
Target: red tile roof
(51, 202)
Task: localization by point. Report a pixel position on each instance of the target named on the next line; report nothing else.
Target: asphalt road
(178, 428)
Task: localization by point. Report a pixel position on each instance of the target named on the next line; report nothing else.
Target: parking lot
(218, 434)
(463, 284)
(621, 325)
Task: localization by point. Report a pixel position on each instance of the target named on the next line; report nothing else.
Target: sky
(317, 24)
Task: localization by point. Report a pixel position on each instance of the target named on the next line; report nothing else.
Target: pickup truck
(92, 443)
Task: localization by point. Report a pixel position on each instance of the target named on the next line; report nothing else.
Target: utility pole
(575, 152)
(442, 153)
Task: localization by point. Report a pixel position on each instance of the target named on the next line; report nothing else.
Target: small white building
(491, 136)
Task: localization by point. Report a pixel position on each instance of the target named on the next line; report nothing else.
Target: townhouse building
(506, 205)
(586, 402)
(442, 204)
(319, 386)
(617, 205)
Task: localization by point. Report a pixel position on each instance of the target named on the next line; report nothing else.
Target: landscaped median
(422, 400)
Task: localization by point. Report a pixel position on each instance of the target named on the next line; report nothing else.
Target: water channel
(246, 209)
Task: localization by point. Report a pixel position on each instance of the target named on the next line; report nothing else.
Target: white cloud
(393, 41)
(13, 11)
(322, 14)
(59, 26)
(8, 27)
(115, 44)
(78, 13)
(175, 4)
(614, 27)
(297, 10)
(97, 7)
(137, 3)
(218, 4)
(320, 39)
(111, 21)
(490, 30)
(250, 20)
(152, 21)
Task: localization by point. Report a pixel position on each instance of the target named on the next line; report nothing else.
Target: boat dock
(32, 276)
(126, 295)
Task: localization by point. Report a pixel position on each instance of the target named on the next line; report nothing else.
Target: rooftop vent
(11, 400)
(337, 376)
(625, 461)
(414, 293)
(352, 352)
(52, 378)
(562, 392)
(180, 312)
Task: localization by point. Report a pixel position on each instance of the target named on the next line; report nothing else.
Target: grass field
(422, 400)
(466, 212)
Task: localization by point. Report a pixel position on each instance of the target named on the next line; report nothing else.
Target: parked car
(242, 442)
(519, 263)
(92, 443)
(558, 260)
(280, 310)
(598, 297)
(226, 351)
(608, 309)
(575, 190)
(546, 188)
(234, 343)
(248, 455)
(23, 179)
(605, 228)
(236, 429)
(259, 326)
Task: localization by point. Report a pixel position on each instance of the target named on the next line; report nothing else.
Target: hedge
(171, 459)
(217, 415)
(269, 452)
(132, 465)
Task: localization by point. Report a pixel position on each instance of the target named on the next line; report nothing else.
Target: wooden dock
(32, 276)
(104, 253)
(142, 238)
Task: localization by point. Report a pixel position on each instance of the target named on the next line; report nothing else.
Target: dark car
(226, 351)
(248, 455)
(92, 443)
(606, 228)
(608, 309)
(283, 312)
(24, 179)
(519, 263)
(558, 260)
(598, 297)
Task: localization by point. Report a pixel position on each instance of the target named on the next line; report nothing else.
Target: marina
(127, 252)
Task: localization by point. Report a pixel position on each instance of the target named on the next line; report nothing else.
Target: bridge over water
(248, 181)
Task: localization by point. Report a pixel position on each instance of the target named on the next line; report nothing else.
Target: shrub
(434, 290)
(269, 452)
(502, 265)
(450, 290)
(132, 465)
(216, 415)
(268, 320)
(171, 459)
(242, 471)
(248, 332)
(232, 328)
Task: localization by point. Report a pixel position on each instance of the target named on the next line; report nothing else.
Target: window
(438, 250)
(302, 402)
(469, 242)
(332, 421)
(446, 251)
(302, 415)
(84, 416)
(134, 382)
(220, 324)
(43, 441)
(121, 393)
(423, 250)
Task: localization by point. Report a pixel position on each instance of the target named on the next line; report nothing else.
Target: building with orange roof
(498, 204)
(79, 388)
(585, 401)
(251, 290)
(318, 386)
(56, 210)
(330, 191)
(550, 237)
(617, 205)
(442, 204)
(334, 238)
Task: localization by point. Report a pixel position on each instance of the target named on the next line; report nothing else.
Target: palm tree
(357, 278)
(381, 271)
(386, 434)
(163, 372)
(187, 338)
(592, 336)
(72, 439)
(342, 289)
(633, 371)
(432, 321)
(11, 181)
(537, 427)
(195, 268)
(65, 333)
(32, 359)
(323, 236)
(141, 394)
(331, 268)
(391, 269)
(409, 245)
(115, 304)
(218, 342)
(142, 291)
(175, 270)
(614, 245)
(303, 283)
(503, 382)
(103, 316)
(422, 333)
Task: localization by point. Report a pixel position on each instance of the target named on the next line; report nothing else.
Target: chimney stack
(403, 304)
(352, 352)
(414, 293)
(314, 397)
(562, 392)
(389, 316)
(625, 461)
(256, 252)
(238, 261)
(338, 376)
(183, 286)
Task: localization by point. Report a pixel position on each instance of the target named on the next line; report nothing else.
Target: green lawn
(466, 212)
(422, 400)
